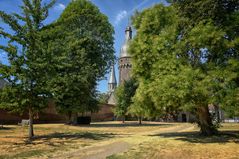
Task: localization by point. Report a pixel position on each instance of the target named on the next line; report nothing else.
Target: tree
(187, 62)
(142, 105)
(102, 98)
(225, 17)
(124, 94)
(25, 73)
(81, 45)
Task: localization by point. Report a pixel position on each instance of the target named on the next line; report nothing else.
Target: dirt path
(105, 149)
(101, 152)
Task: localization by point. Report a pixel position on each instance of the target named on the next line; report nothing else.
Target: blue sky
(118, 12)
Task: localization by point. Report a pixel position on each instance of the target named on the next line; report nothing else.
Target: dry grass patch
(187, 145)
(54, 139)
(50, 138)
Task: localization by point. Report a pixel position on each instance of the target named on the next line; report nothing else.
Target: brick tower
(125, 59)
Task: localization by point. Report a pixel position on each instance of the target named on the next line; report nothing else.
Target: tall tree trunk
(217, 112)
(140, 120)
(205, 121)
(123, 119)
(69, 114)
(74, 120)
(31, 133)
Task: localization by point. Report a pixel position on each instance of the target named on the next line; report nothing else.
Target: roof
(111, 100)
(112, 79)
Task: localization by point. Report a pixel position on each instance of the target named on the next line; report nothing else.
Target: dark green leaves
(80, 44)
(185, 56)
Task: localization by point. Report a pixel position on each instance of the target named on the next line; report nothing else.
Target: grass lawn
(187, 144)
(151, 140)
(54, 139)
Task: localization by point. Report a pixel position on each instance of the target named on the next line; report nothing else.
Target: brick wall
(105, 113)
(50, 115)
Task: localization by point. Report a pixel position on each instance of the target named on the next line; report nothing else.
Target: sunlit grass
(187, 145)
(53, 138)
(150, 140)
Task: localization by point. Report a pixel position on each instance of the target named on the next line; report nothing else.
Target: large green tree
(224, 15)
(124, 94)
(81, 45)
(186, 61)
(26, 72)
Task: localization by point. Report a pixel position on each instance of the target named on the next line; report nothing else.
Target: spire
(128, 33)
(112, 80)
(128, 37)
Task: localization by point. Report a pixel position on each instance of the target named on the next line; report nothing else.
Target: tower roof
(112, 79)
(128, 37)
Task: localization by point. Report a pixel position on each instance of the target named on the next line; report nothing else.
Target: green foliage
(102, 98)
(142, 105)
(80, 43)
(124, 94)
(185, 59)
(26, 73)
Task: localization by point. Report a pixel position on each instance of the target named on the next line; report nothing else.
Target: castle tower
(125, 59)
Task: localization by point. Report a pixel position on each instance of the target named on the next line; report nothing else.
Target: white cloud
(120, 16)
(138, 6)
(60, 7)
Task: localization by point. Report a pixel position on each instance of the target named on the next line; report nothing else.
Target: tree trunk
(123, 119)
(69, 114)
(217, 112)
(205, 121)
(140, 120)
(74, 120)
(31, 133)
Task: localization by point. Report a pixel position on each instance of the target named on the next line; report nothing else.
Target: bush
(84, 120)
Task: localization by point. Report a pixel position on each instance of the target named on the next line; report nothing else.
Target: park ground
(119, 141)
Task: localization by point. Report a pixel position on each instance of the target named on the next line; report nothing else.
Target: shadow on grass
(56, 141)
(75, 136)
(5, 128)
(195, 137)
(99, 125)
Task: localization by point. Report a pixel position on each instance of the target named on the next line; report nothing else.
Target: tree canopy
(25, 73)
(81, 45)
(186, 59)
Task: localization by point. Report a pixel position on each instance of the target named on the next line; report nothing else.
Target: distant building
(112, 84)
(125, 67)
